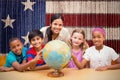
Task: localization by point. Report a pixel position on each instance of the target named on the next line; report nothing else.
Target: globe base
(55, 73)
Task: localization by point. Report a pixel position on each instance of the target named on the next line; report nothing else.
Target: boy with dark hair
(35, 52)
(16, 58)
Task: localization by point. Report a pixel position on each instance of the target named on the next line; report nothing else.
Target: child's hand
(4, 69)
(101, 68)
(28, 69)
(38, 56)
(73, 56)
(1, 68)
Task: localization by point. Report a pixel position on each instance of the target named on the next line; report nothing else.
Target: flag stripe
(76, 7)
(87, 20)
(111, 33)
(87, 14)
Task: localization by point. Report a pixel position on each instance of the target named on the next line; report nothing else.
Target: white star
(8, 22)
(26, 38)
(28, 5)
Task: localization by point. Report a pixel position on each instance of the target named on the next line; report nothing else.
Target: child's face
(36, 41)
(57, 26)
(77, 39)
(98, 38)
(16, 47)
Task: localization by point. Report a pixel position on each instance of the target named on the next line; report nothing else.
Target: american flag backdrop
(18, 18)
(87, 14)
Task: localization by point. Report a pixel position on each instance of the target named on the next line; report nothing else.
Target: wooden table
(69, 74)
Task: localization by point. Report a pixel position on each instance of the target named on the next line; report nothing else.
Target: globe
(56, 54)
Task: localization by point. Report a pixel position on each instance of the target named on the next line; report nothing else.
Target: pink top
(78, 56)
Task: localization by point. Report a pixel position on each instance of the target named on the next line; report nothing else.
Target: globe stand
(56, 73)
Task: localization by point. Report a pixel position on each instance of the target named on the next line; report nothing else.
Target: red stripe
(115, 44)
(40, 61)
(111, 20)
(30, 58)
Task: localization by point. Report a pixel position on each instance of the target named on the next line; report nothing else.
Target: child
(16, 58)
(36, 40)
(99, 55)
(78, 45)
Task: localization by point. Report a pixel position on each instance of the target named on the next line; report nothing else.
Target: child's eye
(12, 47)
(33, 40)
(93, 37)
(18, 45)
(75, 37)
(60, 24)
(38, 38)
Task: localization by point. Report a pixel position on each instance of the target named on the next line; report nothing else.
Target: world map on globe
(56, 54)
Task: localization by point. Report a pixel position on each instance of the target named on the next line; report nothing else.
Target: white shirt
(100, 58)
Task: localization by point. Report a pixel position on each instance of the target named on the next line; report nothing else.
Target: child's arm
(24, 61)
(34, 67)
(23, 67)
(5, 69)
(43, 67)
(110, 67)
(37, 57)
(78, 64)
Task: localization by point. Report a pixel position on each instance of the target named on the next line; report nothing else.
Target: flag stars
(8, 22)
(28, 5)
(26, 38)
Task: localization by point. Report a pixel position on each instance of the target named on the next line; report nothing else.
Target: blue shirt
(12, 57)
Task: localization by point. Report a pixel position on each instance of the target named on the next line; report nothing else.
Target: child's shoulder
(24, 49)
(91, 48)
(104, 47)
(108, 48)
(31, 50)
(10, 54)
